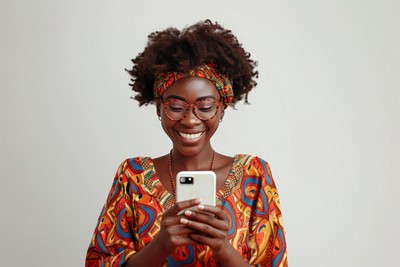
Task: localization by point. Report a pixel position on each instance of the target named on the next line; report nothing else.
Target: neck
(200, 161)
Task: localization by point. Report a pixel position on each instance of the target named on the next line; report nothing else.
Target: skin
(190, 90)
(193, 226)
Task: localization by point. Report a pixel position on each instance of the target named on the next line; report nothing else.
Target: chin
(188, 151)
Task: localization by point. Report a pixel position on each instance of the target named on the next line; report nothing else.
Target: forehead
(192, 88)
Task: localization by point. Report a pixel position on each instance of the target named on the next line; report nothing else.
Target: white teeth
(190, 136)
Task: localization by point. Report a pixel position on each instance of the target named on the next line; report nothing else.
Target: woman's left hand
(211, 225)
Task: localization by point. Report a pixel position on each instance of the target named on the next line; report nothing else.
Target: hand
(210, 225)
(173, 233)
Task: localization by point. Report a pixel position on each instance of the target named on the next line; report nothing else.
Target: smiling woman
(191, 134)
(191, 76)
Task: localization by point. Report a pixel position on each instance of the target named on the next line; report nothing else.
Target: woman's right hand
(173, 233)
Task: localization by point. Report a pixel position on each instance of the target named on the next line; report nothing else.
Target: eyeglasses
(205, 109)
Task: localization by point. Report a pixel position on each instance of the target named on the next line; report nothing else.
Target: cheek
(214, 124)
(166, 123)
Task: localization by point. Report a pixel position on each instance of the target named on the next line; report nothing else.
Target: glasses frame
(190, 106)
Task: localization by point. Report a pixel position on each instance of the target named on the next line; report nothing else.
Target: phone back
(196, 184)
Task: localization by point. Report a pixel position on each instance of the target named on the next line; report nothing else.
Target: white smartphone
(196, 184)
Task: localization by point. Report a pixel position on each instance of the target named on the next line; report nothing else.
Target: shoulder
(134, 165)
(250, 161)
(255, 166)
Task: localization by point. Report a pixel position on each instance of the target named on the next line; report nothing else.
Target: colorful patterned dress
(131, 216)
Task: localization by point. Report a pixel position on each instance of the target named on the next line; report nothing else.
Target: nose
(190, 118)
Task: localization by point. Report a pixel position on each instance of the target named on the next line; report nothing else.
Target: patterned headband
(207, 71)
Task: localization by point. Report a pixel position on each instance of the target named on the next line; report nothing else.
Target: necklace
(171, 176)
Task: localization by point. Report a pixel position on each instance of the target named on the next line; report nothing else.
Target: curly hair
(202, 43)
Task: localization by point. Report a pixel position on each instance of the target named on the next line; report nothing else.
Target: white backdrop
(325, 115)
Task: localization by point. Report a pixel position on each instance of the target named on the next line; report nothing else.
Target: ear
(158, 108)
(222, 114)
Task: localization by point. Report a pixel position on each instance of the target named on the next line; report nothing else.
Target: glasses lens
(205, 109)
(175, 109)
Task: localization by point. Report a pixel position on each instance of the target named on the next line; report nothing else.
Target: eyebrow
(183, 99)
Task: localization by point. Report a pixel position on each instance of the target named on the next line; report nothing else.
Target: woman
(191, 76)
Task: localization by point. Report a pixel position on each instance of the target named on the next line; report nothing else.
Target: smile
(191, 136)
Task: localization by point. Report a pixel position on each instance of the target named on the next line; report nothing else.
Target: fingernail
(184, 221)
(188, 212)
(201, 207)
(197, 201)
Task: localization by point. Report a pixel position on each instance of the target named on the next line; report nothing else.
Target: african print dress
(131, 216)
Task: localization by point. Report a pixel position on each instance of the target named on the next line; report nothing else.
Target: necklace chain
(171, 176)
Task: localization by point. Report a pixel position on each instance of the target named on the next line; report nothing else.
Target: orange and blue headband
(207, 71)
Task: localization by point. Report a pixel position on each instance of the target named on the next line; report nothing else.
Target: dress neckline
(153, 184)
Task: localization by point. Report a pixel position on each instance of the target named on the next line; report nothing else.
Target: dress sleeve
(112, 242)
(267, 235)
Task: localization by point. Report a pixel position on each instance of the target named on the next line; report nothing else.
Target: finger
(206, 228)
(202, 239)
(209, 215)
(181, 206)
(206, 218)
(186, 231)
(171, 221)
(219, 213)
(182, 240)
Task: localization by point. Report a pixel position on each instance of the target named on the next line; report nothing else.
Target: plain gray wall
(325, 115)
